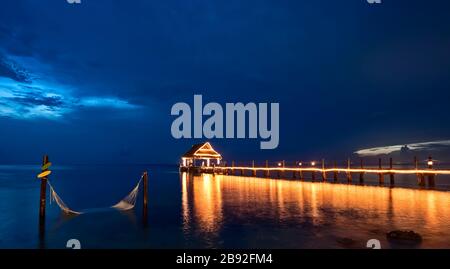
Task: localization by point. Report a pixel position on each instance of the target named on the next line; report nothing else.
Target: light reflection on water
(317, 214)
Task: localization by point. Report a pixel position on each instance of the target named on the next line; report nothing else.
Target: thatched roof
(202, 151)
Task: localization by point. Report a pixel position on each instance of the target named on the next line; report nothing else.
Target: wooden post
(335, 173)
(282, 171)
(42, 202)
(232, 168)
(391, 174)
(380, 175)
(267, 172)
(294, 172)
(300, 173)
(324, 174)
(279, 169)
(349, 174)
(361, 175)
(420, 177)
(254, 170)
(431, 180)
(145, 200)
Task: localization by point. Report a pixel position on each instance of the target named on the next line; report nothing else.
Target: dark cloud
(11, 70)
(35, 99)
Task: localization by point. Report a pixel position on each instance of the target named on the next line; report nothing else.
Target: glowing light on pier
(344, 170)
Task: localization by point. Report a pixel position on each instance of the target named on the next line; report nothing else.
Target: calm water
(216, 211)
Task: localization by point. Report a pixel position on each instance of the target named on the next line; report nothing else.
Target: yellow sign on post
(45, 171)
(44, 174)
(46, 166)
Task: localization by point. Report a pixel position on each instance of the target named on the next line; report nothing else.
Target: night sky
(94, 82)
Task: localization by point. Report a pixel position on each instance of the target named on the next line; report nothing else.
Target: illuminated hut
(201, 155)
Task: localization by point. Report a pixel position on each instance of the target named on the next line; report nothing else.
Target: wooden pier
(323, 172)
(202, 158)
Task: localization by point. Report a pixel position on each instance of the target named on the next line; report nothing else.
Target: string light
(347, 170)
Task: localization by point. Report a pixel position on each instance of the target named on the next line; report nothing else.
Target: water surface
(215, 211)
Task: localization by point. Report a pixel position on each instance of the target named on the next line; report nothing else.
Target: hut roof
(203, 150)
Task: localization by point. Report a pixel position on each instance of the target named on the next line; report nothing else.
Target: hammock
(127, 203)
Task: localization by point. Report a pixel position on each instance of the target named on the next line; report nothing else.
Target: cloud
(106, 102)
(24, 94)
(10, 70)
(431, 145)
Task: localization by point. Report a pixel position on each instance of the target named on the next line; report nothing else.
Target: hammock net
(127, 203)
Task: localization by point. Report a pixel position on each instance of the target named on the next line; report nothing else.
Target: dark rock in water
(346, 242)
(407, 237)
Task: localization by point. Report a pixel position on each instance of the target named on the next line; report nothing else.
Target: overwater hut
(201, 155)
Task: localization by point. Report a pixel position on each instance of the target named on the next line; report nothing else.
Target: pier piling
(391, 174)
(361, 175)
(294, 173)
(313, 173)
(278, 170)
(335, 172)
(431, 180)
(420, 177)
(324, 174)
(349, 174)
(380, 175)
(300, 173)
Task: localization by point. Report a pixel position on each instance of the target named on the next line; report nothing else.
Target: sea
(217, 211)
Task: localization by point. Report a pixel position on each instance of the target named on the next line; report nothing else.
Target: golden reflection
(207, 202)
(340, 208)
(184, 200)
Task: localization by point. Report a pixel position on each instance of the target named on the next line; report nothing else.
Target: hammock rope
(127, 203)
(55, 198)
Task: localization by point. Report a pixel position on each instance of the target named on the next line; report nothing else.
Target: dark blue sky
(95, 82)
